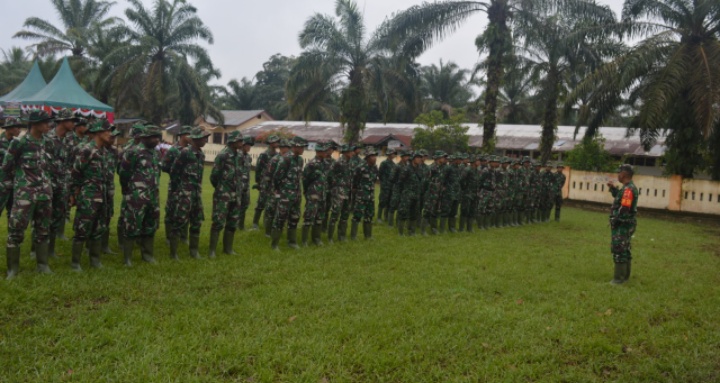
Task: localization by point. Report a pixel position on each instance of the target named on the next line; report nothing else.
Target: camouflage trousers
(314, 210)
(620, 243)
(364, 209)
(449, 208)
(140, 216)
(468, 206)
(558, 201)
(395, 198)
(110, 208)
(262, 200)
(385, 196)
(485, 203)
(287, 210)
(225, 213)
(90, 219)
(6, 202)
(187, 212)
(25, 211)
(432, 207)
(409, 208)
(340, 209)
(60, 207)
(245, 202)
(170, 204)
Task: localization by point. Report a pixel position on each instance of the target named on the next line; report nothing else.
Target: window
(217, 138)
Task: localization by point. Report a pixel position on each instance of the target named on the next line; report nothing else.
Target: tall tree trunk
(550, 115)
(354, 107)
(498, 14)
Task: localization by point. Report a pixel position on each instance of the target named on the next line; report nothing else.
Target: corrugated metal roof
(237, 117)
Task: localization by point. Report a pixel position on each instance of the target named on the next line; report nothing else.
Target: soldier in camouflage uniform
(436, 187)
(450, 199)
(165, 164)
(114, 159)
(134, 140)
(340, 183)
(397, 187)
(11, 129)
(517, 189)
(490, 182)
(227, 180)
(287, 179)
(188, 210)
(559, 185)
(271, 202)
(25, 166)
(535, 182)
(140, 177)
(315, 188)
(547, 193)
(384, 174)
(329, 162)
(364, 178)
(89, 193)
(623, 222)
(469, 180)
(424, 174)
(412, 178)
(507, 193)
(246, 169)
(262, 162)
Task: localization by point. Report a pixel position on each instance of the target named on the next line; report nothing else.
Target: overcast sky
(248, 32)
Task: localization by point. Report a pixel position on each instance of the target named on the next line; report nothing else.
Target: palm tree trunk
(550, 116)
(354, 107)
(498, 14)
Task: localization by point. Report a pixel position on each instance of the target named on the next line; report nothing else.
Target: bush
(590, 155)
(442, 133)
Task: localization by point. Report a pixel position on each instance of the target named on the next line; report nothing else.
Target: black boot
(443, 224)
(620, 272)
(60, 233)
(268, 225)
(228, 239)
(423, 226)
(354, 230)
(214, 239)
(433, 222)
(95, 247)
(401, 227)
(147, 248)
(411, 227)
(330, 231)
(51, 246)
(174, 243)
(106, 243)
(256, 219)
(627, 270)
(292, 239)
(128, 245)
(120, 235)
(557, 214)
(13, 261)
(42, 258)
(469, 224)
(317, 235)
(241, 221)
(463, 224)
(451, 225)
(391, 217)
(275, 235)
(380, 215)
(305, 235)
(367, 230)
(77, 250)
(194, 246)
(342, 231)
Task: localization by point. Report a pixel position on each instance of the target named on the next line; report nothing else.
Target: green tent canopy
(33, 83)
(65, 92)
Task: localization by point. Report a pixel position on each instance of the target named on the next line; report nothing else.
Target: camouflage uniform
(521, 194)
(340, 183)
(262, 163)
(171, 201)
(397, 188)
(187, 212)
(411, 177)
(364, 177)
(267, 188)
(559, 185)
(245, 169)
(469, 184)
(547, 182)
(228, 183)
(622, 224)
(287, 179)
(487, 204)
(329, 163)
(432, 208)
(450, 199)
(134, 132)
(59, 170)
(385, 173)
(534, 181)
(6, 188)
(113, 161)
(315, 188)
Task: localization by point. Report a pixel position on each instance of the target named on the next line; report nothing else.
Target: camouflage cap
(100, 126)
(136, 130)
(13, 122)
(390, 152)
(404, 153)
(248, 140)
(506, 160)
(233, 137)
(298, 141)
(418, 153)
(321, 146)
(357, 146)
(184, 130)
(37, 116)
(273, 138)
(424, 153)
(284, 143)
(452, 157)
(116, 132)
(81, 122)
(559, 165)
(439, 154)
(65, 115)
(627, 168)
(370, 151)
(526, 159)
(494, 159)
(198, 133)
(346, 148)
(150, 131)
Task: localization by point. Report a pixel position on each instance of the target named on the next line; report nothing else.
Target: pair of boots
(291, 237)
(316, 234)
(94, 248)
(367, 230)
(193, 245)
(622, 273)
(228, 240)
(341, 231)
(390, 216)
(41, 256)
(557, 214)
(466, 224)
(402, 223)
(382, 212)
(147, 249)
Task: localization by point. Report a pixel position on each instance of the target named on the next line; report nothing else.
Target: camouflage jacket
(340, 177)
(245, 169)
(225, 175)
(25, 166)
(287, 177)
(424, 178)
(188, 170)
(385, 173)
(451, 181)
(59, 159)
(89, 174)
(624, 206)
(315, 183)
(4, 145)
(559, 182)
(436, 187)
(261, 164)
(364, 178)
(547, 184)
(139, 172)
(411, 178)
(113, 160)
(469, 182)
(267, 176)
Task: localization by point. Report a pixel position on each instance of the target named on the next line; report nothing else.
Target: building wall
(224, 131)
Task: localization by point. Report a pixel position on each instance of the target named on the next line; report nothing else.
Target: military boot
(354, 230)
(317, 235)
(51, 246)
(462, 225)
(194, 246)
(367, 230)
(380, 215)
(292, 239)
(423, 226)
(128, 245)
(305, 235)
(411, 228)
(557, 214)
(620, 272)
(214, 239)
(147, 248)
(120, 235)
(241, 221)
(106, 243)
(174, 243)
(95, 247)
(42, 258)
(275, 235)
(627, 270)
(228, 239)
(433, 225)
(186, 235)
(268, 226)
(391, 217)
(33, 247)
(256, 219)
(13, 261)
(60, 233)
(342, 231)
(451, 225)
(443, 224)
(330, 231)
(401, 227)
(387, 217)
(77, 250)
(470, 221)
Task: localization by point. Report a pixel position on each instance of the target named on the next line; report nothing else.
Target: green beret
(298, 141)
(37, 116)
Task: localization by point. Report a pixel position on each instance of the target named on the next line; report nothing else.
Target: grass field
(510, 305)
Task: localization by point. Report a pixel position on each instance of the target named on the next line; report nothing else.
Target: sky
(248, 32)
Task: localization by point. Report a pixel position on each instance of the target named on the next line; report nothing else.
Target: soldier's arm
(217, 170)
(126, 167)
(280, 172)
(10, 161)
(167, 161)
(179, 163)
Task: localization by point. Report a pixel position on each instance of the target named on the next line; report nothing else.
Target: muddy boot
(354, 230)
(292, 238)
(317, 235)
(77, 251)
(174, 243)
(42, 258)
(60, 234)
(194, 246)
(214, 238)
(147, 248)
(128, 246)
(451, 225)
(95, 247)
(367, 230)
(342, 231)
(620, 272)
(275, 235)
(51, 246)
(443, 225)
(256, 220)
(13, 261)
(228, 239)
(401, 227)
(330, 231)
(106, 244)
(305, 235)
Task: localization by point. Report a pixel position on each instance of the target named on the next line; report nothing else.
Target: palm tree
(672, 77)
(78, 20)
(153, 66)
(14, 67)
(445, 86)
(239, 95)
(515, 99)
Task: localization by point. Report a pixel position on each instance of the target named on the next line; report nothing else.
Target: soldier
(114, 160)
(227, 180)
(271, 203)
(435, 190)
(25, 166)
(263, 160)
(140, 178)
(165, 165)
(483, 195)
(11, 129)
(89, 193)
(246, 162)
(424, 173)
(315, 188)
(548, 193)
(329, 162)
(469, 179)
(188, 211)
(287, 178)
(364, 178)
(536, 191)
(340, 183)
(386, 169)
(559, 185)
(449, 202)
(411, 177)
(623, 222)
(134, 140)
(397, 186)
(491, 184)
(518, 177)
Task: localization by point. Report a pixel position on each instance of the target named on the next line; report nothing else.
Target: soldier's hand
(611, 184)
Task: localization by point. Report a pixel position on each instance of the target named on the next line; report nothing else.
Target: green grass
(511, 305)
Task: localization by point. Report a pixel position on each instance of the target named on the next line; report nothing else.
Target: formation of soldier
(47, 172)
